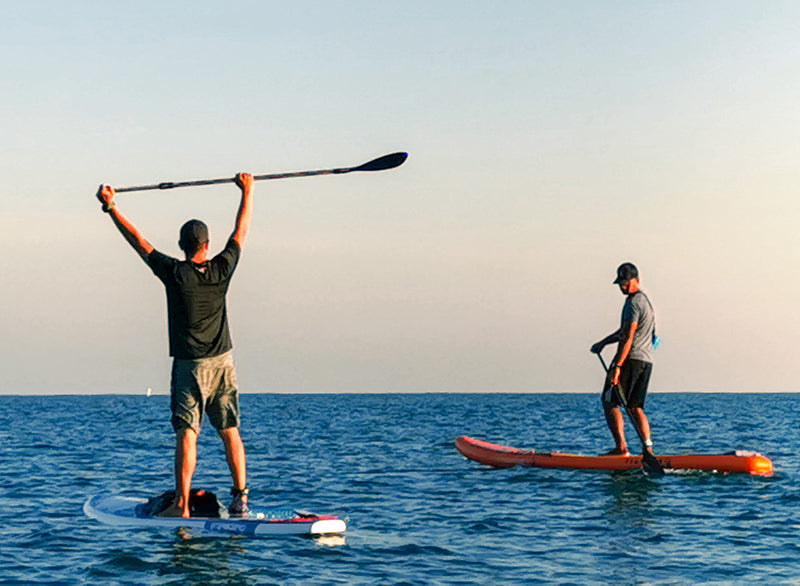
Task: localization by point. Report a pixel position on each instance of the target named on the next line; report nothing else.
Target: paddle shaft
(381, 163)
(646, 456)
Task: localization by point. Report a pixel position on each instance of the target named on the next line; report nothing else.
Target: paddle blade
(652, 467)
(383, 163)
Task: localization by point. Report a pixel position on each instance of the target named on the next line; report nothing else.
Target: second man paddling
(633, 363)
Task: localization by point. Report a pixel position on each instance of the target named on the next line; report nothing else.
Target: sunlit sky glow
(548, 141)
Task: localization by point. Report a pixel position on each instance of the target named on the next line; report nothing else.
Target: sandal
(238, 506)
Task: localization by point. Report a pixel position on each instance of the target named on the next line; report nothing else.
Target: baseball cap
(193, 233)
(625, 272)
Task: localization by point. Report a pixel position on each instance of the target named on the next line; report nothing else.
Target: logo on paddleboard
(227, 526)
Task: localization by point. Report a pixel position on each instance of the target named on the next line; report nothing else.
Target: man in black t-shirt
(203, 373)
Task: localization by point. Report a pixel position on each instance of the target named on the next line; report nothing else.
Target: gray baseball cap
(193, 234)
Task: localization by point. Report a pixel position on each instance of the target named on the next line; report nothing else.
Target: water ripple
(418, 512)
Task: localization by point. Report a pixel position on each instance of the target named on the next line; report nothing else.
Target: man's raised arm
(106, 196)
(245, 183)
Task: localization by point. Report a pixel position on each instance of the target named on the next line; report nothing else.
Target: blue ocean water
(418, 512)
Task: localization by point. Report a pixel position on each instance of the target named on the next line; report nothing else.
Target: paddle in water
(380, 164)
(650, 463)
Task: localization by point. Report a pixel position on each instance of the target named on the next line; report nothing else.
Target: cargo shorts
(204, 386)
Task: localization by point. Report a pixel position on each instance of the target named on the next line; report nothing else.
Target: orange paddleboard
(506, 457)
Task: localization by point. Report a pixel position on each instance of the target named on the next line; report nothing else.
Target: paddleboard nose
(761, 466)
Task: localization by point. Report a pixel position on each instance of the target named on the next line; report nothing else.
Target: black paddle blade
(652, 467)
(383, 163)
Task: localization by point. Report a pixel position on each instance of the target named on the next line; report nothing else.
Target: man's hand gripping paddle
(380, 164)
(650, 463)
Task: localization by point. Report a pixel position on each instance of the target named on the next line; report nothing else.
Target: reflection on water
(198, 559)
(330, 540)
(630, 493)
(233, 559)
(185, 534)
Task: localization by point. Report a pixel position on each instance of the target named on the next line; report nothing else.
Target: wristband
(107, 207)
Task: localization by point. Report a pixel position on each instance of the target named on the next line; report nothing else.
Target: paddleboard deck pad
(137, 512)
(507, 457)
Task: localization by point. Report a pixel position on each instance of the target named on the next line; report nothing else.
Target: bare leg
(643, 424)
(234, 452)
(185, 463)
(616, 423)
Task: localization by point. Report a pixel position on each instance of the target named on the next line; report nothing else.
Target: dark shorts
(204, 386)
(634, 378)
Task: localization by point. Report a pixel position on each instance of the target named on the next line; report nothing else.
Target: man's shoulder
(156, 256)
(636, 304)
(156, 253)
(229, 254)
(642, 299)
(160, 263)
(232, 246)
(642, 306)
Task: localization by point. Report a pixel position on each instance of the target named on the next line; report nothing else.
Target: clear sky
(548, 141)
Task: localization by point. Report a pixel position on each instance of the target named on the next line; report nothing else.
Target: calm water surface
(418, 512)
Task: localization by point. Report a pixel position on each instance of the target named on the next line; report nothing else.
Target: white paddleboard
(126, 511)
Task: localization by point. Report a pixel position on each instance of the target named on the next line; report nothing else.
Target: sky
(548, 142)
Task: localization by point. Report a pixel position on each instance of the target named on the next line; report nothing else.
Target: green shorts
(205, 385)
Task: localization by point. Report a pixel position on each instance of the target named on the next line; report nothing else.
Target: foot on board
(617, 452)
(238, 506)
(173, 511)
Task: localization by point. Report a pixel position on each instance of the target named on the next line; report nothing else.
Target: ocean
(418, 513)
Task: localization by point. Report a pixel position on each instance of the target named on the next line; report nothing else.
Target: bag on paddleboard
(202, 503)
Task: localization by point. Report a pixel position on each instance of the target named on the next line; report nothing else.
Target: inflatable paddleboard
(131, 512)
(506, 457)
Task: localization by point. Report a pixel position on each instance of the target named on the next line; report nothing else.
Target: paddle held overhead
(380, 164)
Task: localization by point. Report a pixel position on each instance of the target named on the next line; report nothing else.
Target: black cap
(193, 234)
(625, 272)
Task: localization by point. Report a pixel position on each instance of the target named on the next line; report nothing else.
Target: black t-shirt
(198, 319)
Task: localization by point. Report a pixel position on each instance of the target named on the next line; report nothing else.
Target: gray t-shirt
(638, 309)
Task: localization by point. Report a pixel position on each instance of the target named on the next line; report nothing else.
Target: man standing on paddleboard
(633, 363)
(203, 373)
